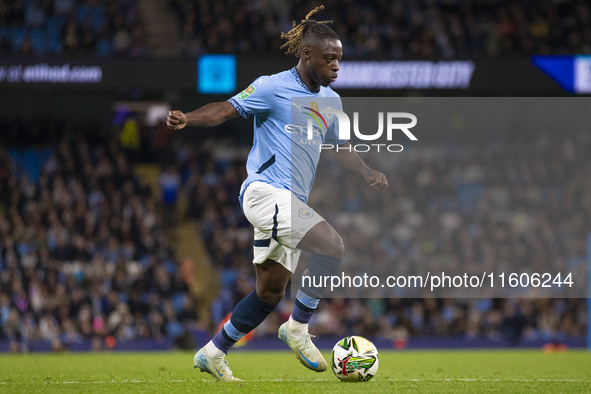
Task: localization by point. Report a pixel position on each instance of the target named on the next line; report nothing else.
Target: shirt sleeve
(258, 97)
(332, 135)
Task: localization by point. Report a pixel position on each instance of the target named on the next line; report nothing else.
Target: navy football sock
(247, 315)
(304, 307)
(308, 296)
(319, 267)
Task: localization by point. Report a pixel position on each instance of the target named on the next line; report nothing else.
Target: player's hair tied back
(306, 28)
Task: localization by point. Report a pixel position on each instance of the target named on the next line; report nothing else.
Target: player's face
(324, 61)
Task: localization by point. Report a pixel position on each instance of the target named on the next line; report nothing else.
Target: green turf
(410, 371)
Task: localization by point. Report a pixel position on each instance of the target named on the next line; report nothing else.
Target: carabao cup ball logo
(305, 213)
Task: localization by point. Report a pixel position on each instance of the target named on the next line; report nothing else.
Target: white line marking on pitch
(319, 381)
(114, 381)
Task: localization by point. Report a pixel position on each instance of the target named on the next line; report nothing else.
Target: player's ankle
(296, 327)
(212, 350)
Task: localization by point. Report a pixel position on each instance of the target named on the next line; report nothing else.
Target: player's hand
(376, 179)
(176, 120)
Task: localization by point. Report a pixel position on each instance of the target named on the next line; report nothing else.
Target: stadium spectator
(170, 184)
(382, 29)
(89, 27)
(83, 254)
(376, 29)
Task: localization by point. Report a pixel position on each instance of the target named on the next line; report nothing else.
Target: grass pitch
(401, 371)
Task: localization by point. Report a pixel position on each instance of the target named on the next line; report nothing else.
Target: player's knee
(272, 296)
(271, 292)
(336, 246)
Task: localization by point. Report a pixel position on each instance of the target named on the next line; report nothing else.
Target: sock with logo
(303, 308)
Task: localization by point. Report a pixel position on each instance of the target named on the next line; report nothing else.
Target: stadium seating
(42, 25)
(372, 29)
(82, 249)
(393, 30)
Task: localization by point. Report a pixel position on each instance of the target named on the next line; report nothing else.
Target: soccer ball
(354, 359)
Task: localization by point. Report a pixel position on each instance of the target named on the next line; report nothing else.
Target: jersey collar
(296, 75)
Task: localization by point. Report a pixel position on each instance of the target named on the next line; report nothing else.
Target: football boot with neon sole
(216, 366)
(304, 349)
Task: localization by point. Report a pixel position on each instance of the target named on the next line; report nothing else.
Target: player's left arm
(350, 160)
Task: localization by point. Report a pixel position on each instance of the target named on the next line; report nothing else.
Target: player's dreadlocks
(307, 29)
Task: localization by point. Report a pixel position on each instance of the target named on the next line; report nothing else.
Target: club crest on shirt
(246, 92)
(305, 213)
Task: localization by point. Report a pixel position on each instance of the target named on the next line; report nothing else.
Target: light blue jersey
(282, 155)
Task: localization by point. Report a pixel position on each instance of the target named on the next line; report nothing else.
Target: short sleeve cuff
(238, 107)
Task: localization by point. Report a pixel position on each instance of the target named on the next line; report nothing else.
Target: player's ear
(306, 53)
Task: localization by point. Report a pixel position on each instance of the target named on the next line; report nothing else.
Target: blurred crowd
(83, 253)
(502, 202)
(378, 29)
(71, 27)
(383, 29)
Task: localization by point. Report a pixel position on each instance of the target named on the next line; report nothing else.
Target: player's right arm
(257, 98)
(209, 115)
